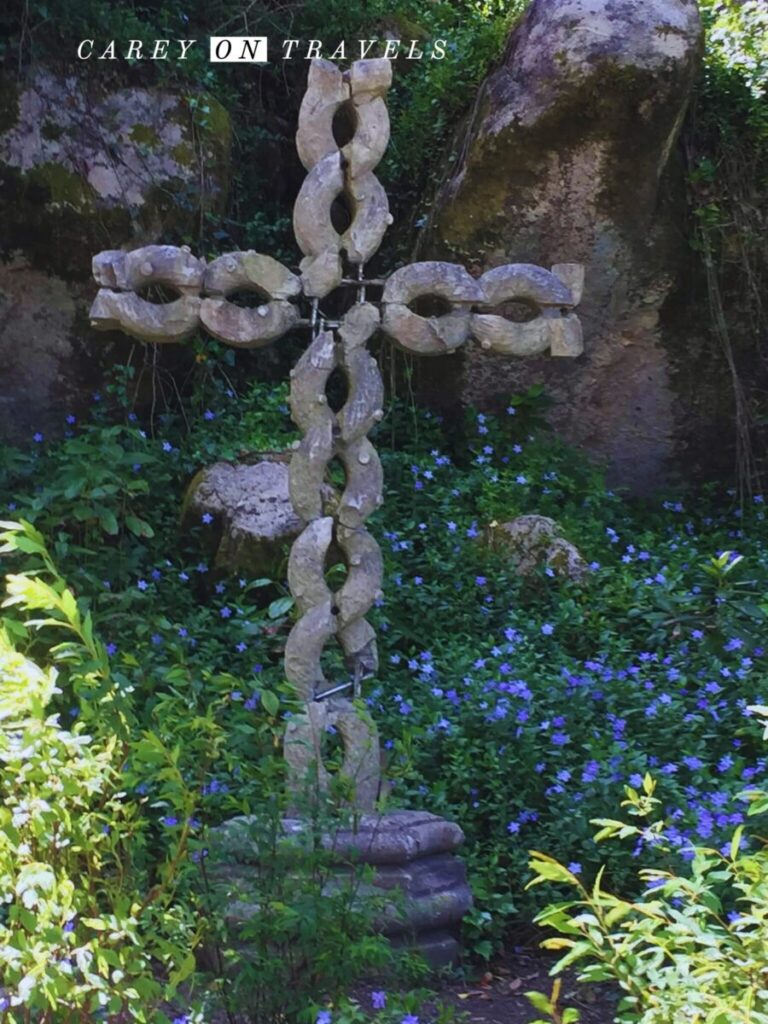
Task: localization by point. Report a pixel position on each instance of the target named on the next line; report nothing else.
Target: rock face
(251, 514)
(532, 541)
(569, 155)
(81, 169)
(412, 854)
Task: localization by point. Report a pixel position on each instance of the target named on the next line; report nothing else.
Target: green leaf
(539, 1001)
(279, 607)
(270, 702)
(108, 521)
(736, 842)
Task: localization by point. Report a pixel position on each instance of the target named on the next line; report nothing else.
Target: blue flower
(378, 1000)
(547, 629)
(574, 867)
(323, 1017)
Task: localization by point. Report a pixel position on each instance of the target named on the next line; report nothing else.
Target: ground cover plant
(519, 707)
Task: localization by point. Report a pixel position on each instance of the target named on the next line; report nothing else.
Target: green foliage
(508, 704)
(726, 147)
(693, 947)
(297, 928)
(83, 936)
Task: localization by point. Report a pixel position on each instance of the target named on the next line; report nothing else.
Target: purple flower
(378, 1000)
(547, 629)
(225, 612)
(142, 584)
(323, 1017)
(37, 438)
(574, 867)
(209, 415)
(111, 649)
(207, 517)
(169, 821)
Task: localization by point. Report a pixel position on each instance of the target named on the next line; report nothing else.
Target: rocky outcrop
(569, 155)
(83, 168)
(533, 541)
(248, 511)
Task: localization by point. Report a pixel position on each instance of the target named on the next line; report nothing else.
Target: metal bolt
(378, 414)
(485, 345)
(147, 268)
(231, 265)
(355, 560)
(322, 400)
(363, 458)
(263, 311)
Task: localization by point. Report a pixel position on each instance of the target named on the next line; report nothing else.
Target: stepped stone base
(412, 857)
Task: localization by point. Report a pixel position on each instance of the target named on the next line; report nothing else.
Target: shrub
(693, 947)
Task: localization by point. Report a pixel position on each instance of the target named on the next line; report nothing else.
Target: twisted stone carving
(336, 529)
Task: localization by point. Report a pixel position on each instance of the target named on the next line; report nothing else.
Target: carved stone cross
(332, 172)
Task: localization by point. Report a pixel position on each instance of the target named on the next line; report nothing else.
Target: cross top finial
(335, 170)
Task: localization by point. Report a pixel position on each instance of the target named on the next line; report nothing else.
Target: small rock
(534, 541)
(252, 511)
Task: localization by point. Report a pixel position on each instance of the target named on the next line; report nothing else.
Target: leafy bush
(510, 705)
(694, 947)
(81, 937)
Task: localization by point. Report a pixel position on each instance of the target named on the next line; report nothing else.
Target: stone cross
(337, 525)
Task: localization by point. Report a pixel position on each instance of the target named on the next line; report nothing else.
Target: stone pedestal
(412, 854)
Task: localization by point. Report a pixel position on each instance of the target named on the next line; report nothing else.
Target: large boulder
(86, 167)
(570, 156)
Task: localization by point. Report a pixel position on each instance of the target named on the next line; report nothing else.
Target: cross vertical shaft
(335, 525)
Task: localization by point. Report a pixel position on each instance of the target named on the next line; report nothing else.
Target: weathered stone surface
(303, 749)
(569, 153)
(146, 321)
(39, 351)
(151, 264)
(242, 327)
(532, 541)
(326, 92)
(369, 82)
(250, 271)
(435, 335)
(415, 869)
(252, 510)
(399, 837)
(84, 166)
